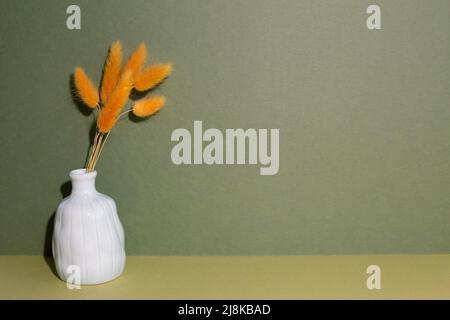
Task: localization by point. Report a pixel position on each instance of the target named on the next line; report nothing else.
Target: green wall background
(364, 119)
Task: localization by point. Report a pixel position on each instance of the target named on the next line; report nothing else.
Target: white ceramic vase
(88, 237)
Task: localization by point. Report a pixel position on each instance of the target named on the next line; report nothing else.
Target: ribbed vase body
(88, 237)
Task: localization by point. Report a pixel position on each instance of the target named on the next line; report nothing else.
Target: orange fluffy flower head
(137, 60)
(85, 88)
(148, 106)
(108, 115)
(111, 71)
(152, 76)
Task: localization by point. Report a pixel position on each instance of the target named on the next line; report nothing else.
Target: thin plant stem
(103, 142)
(98, 144)
(89, 155)
(94, 157)
(91, 151)
(124, 113)
(94, 148)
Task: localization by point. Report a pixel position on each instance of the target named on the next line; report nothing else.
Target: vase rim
(81, 174)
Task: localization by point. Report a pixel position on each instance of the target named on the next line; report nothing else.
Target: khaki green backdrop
(364, 119)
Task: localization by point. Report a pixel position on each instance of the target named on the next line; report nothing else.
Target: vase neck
(82, 182)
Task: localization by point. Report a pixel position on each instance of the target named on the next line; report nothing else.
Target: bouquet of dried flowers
(117, 84)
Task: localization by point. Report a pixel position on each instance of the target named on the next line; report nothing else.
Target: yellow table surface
(242, 277)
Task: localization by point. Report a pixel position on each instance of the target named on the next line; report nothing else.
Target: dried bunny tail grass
(106, 121)
(152, 76)
(108, 115)
(148, 106)
(111, 71)
(85, 88)
(136, 60)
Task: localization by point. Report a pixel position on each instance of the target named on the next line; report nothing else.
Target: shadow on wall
(65, 189)
(80, 105)
(84, 109)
